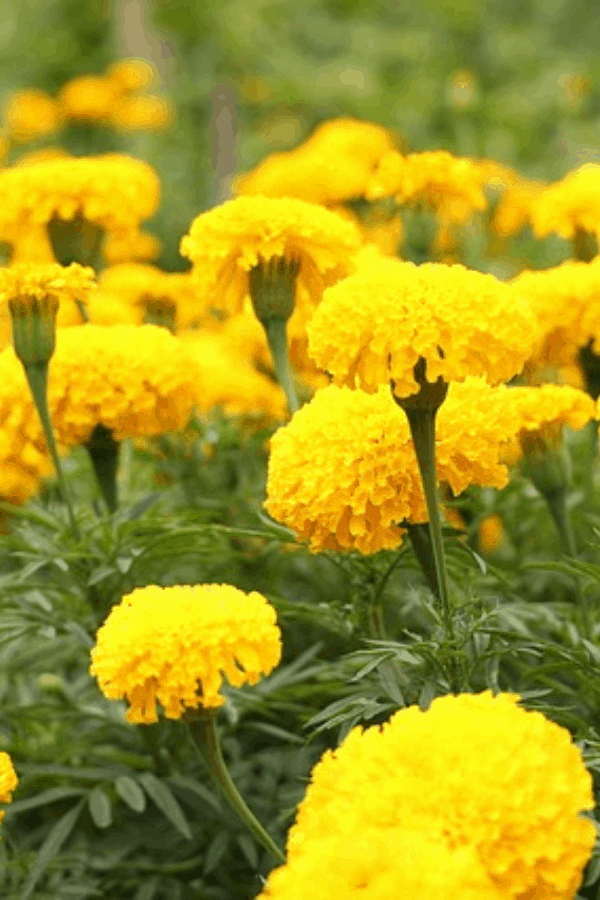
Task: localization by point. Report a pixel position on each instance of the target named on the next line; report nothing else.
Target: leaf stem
(276, 331)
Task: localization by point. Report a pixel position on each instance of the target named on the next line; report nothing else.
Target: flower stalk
(203, 732)
(104, 454)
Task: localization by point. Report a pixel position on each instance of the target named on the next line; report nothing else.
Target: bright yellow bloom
(566, 301)
(67, 284)
(114, 192)
(31, 114)
(8, 780)
(475, 798)
(490, 533)
(332, 166)
(228, 241)
(373, 327)
(144, 288)
(142, 113)
(174, 645)
(451, 186)
(130, 246)
(343, 473)
(89, 98)
(514, 210)
(570, 204)
(132, 74)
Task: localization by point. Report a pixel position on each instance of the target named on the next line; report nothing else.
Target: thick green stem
(37, 377)
(422, 428)
(104, 453)
(276, 331)
(420, 538)
(203, 731)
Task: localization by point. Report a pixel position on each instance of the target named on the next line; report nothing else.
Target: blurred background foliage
(515, 80)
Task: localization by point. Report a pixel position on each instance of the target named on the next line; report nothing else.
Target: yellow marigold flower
(132, 74)
(566, 301)
(130, 246)
(142, 113)
(375, 325)
(474, 798)
(490, 533)
(89, 97)
(570, 204)
(114, 192)
(228, 241)
(343, 473)
(146, 287)
(31, 114)
(333, 165)
(227, 380)
(70, 285)
(514, 210)
(8, 780)
(452, 186)
(174, 645)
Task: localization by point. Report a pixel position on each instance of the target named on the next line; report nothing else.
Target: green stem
(104, 453)
(420, 538)
(276, 331)
(557, 504)
(203, 731)
(37, 377)
(422, 429)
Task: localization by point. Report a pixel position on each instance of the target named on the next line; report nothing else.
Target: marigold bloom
(8, 780)
(490, 533)
(343, 473)
(485, 794)
(89, 97)
(31, 114)
(515, 208)
(131, 74)
(114, 192)
(174, 645)
(130, 246)
(143, 286)
(228, 241)
(145, 112)
(375, 325)
(332, 166)
(70, 285)
(570, 204)
(566, 301)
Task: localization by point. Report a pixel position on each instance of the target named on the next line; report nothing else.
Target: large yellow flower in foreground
(8, 780)
(566, 301)
(569, 205)
(474, 799)
(70, 285)
(228, 241)
(375, 325)
(175, 645)
(343, 473)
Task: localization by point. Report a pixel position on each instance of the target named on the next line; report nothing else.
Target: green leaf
(54, 841)
(216, 851)
(147, 891)
(46, 797)
(166, 802)
(188, 785)
(131, 793)
(100, 808)
(248, 848)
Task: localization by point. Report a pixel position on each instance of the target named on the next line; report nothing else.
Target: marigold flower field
(299, 481)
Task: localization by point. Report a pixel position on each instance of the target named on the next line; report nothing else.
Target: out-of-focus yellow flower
(514, 210)
(570, 204)
(175, 645)
(343, 473)
(144, 112)
(378, 227)
(373, 327)
(132, 74)
(145, 288)
(89, 98)
(474, 799)
(69, 285)
(8, 780)
(228, 241)
(332, 166)
(31, 114)
(130, 246)
(463, 86)
(490, 533)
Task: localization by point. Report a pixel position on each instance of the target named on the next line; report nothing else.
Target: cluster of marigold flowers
(312, 241)
(119, 98)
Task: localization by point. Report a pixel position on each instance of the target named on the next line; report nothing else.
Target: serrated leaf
(390, 684)
(162, 795)
(51, 846)
(100, 808)
(130, 793)
(100, 574)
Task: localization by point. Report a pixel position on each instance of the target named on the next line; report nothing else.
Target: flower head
(227, 242)
(89, 98)
(374, 326)
(145, 112)
(174, 645)
(31, 114)
(473, 798)
(570, 204)
(343, 473)
(144, 288)
(8, 780)
(132, 74)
